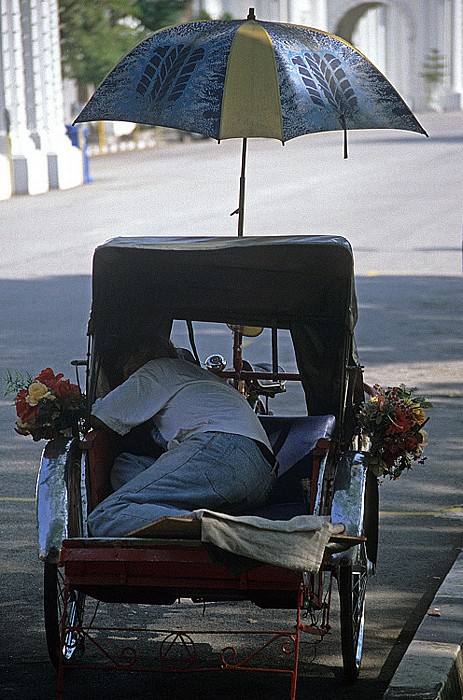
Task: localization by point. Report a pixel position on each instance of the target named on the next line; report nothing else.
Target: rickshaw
(275, 317)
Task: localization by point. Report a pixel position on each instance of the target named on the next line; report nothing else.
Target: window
(217, 339)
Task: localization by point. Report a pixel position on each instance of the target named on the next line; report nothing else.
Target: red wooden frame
(136, 570)
(143, 571)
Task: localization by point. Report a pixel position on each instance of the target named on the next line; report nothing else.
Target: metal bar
(293, 687)
(242, 189)
(274, 348)
(245, 374)
(237, 353)
(62, 627)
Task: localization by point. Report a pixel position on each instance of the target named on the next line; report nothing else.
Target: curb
(432, 667)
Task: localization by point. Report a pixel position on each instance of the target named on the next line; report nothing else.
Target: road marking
(17, 499)
(441, 511)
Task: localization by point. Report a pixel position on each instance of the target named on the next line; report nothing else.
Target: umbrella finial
(251, 14)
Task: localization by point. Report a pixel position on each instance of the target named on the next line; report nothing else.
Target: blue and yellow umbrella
(246, 78)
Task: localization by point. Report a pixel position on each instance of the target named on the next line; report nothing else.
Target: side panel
(58, 496)
(355, 504)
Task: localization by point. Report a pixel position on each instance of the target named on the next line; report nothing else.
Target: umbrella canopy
(244, 78)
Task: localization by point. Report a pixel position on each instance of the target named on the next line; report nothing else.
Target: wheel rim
(359, 584)
(352, 583)
(54, 610)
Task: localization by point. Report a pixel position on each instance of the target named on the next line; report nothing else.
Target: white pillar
(317, 14)
(400, 59)
(455, 59)
(370, 36)
(5, 165)
(64, 160)
(29, 165)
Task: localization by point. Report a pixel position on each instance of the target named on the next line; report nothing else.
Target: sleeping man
(217, 454)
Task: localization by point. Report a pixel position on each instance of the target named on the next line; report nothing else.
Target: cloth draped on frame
(297, 544)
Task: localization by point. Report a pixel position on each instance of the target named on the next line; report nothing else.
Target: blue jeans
(218, 471)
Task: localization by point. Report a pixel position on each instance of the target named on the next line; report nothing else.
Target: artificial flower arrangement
(47, 406)
(392, 421)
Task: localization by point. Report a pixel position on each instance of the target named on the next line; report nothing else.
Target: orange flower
(379, 400)
(401, 424)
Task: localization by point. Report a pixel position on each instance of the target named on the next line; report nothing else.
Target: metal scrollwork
(128, 657)
(288, 646)
(232, 655)
(177, 651)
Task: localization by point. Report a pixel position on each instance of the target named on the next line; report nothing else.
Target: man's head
(146, 348)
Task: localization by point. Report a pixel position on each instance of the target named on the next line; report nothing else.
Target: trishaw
(275, 317)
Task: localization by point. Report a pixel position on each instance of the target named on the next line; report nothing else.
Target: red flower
(25, 412)
(389, 460)
(412, 443)
(62, 388)
(48, 377)
(392, 448)
(58, 409)
(67, 392)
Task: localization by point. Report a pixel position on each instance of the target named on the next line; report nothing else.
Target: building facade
(417, 44)
(35, 153)
(405, 39)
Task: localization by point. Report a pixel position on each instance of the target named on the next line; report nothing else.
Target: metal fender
(58, 486)
(355, 504)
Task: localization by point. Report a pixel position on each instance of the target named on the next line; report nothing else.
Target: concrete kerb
(432, 667)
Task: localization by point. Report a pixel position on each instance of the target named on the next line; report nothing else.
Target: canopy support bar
(274, 348)
(240, 210)
(242, 188)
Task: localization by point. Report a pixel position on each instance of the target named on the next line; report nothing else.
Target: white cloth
(182, 399)
(297, 544)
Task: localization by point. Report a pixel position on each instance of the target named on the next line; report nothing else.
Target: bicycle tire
(352, 583)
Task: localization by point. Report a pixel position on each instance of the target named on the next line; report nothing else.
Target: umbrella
(245, 78)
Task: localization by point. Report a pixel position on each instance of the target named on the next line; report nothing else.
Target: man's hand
(99, 425)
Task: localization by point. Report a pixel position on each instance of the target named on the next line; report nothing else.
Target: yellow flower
(419, 415)
(38, 391)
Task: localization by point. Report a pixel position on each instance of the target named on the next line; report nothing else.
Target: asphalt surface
(400, 206)
(432, 667)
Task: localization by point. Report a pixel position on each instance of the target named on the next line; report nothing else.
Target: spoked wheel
(352, 575)
(53, 582)
(352, 584)
(53, 586)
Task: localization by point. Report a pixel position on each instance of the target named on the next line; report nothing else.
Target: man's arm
(98, 424)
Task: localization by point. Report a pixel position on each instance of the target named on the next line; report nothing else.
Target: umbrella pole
(242, 189)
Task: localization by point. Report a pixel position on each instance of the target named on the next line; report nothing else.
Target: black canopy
(304, 283)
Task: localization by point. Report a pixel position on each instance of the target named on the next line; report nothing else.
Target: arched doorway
(383, 32)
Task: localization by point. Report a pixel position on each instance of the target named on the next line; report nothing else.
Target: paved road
(398, 200)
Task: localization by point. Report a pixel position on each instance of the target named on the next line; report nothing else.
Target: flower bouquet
(47, 406)
(393, 422)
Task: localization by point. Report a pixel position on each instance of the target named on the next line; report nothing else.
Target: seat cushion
(293, 439)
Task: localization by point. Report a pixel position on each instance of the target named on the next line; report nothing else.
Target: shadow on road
(401, 319)
(409, 319)
(407, 324)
